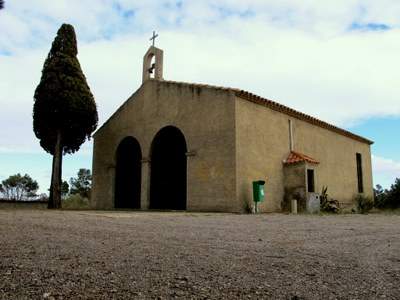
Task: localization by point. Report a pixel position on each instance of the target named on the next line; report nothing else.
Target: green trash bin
(258, 192)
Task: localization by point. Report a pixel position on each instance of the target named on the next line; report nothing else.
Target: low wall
(5, 204)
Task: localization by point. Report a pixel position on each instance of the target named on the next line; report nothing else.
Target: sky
(336, 60)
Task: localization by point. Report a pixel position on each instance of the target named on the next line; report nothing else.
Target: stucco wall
(206, 118)
(337, 155)
(295, 185)
(263, 143)
(233, 142)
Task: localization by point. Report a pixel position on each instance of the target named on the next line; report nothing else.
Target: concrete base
(313, 203)
(294, 206)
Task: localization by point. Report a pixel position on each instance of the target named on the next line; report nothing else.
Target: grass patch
(75, 202)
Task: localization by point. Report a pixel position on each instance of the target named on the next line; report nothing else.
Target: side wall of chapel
(262, 144)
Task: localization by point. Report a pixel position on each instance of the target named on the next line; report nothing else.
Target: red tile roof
(296, 157)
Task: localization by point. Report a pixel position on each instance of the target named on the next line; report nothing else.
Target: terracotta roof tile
(296, 157)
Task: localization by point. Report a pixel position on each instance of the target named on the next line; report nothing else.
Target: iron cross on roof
(153, 38)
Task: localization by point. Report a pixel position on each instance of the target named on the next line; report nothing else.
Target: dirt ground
(119, 255)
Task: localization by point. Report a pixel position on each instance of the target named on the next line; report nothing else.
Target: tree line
(387, 198)
(24, 188)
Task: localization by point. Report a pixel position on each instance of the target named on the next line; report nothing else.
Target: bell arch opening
(128, 174)
(168, 177)
(153, 64)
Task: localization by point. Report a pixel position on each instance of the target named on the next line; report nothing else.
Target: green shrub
(364, 204)
(75, 201)
(327, 204)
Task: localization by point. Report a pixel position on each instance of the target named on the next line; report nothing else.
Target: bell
(153, 66)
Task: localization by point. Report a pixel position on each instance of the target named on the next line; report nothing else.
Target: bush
(327, 204)
(76, 201)
(364, 204)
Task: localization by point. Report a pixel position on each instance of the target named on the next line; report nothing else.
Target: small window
(310, 181)
(359, 173)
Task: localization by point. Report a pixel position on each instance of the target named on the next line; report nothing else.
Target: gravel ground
(119, 255)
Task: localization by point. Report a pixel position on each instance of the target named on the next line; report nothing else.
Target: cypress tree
(1, 4)
(64, 110)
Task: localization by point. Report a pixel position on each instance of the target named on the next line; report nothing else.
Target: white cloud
(299, 54)
(386, 166)
(385, 170)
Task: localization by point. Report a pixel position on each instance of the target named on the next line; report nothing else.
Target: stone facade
(232, 138)
(205, 116)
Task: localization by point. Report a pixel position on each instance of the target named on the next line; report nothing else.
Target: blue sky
(336, 60)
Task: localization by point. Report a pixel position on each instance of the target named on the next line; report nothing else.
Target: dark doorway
(359, 173)
(128, 174)
(310, 181)
(168, 170)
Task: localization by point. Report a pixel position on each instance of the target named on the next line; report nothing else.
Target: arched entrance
(168, 170)
(128, 174)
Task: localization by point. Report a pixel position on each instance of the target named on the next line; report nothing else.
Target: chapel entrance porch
(128, 173)
(168, 174)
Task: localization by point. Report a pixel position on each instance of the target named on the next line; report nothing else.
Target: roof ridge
(218, 87)
(261, 101)
(278, 107)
